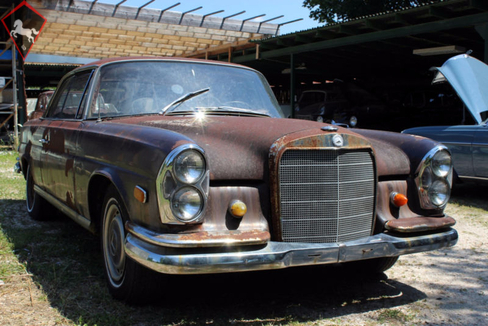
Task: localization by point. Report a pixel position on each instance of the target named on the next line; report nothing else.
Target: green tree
(332, 11)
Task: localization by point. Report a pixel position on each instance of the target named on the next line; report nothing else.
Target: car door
(63, 121)
(480, 151)
(459, 140)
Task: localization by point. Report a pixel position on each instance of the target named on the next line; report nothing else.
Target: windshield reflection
(150, 87)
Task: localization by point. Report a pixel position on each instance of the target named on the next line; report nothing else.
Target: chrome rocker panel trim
(275, 255)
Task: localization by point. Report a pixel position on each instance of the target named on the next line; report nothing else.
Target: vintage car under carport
(188, 167)
(468, 142)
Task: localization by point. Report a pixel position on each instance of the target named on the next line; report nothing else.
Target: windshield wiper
(173, 105)
(233, 109)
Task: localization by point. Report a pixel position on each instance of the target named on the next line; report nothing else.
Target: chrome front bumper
(276, 255)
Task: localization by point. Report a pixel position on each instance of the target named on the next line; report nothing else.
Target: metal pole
(162, 11)
(225, 18)
(186, 12)
(91, 7)
(245, 20)
(14, 97)
(265, 21)
(205, 16)
(291, 21)
(292, 84)
(140, 8)
(117, 7)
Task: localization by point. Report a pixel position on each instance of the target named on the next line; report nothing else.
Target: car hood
(239, 148)
(469, 78)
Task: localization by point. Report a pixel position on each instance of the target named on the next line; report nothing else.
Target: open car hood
(469, 78)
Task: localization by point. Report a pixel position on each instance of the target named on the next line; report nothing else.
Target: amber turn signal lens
(398, 200)
(140, 194)
(237, 208)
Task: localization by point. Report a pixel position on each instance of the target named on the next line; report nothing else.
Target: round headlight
(187, 203)
(439, 192)
(353, 121)
(441, 163)
(189, 166)
(426, 178)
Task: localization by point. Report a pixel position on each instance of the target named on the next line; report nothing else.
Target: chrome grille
(326, 195)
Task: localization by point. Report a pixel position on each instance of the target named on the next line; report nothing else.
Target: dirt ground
(443, 287)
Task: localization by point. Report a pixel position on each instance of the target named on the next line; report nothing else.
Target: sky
(291, 9)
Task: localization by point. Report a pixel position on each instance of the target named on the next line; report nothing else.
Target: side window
(69, 99)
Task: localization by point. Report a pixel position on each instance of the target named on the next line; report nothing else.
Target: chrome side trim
(480, 144)
(454, 143)
(81, 220)
(276, 255)
(472, 178)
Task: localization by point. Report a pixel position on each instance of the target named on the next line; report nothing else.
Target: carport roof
(380, 45)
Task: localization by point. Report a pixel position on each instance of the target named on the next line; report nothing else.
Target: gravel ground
(442, 287)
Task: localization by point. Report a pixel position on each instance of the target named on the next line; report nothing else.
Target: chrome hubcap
(30, 192)
(113, 243)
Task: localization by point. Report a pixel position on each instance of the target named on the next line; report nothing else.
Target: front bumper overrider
(275, 255)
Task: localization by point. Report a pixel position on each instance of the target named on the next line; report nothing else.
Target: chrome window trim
(201, 185)
(86, 95)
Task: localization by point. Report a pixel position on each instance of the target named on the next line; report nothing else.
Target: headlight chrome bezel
(432, 171)
(169, 183)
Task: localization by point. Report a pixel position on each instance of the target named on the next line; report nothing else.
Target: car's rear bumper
(276, 255)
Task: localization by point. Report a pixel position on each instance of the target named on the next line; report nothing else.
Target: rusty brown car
(188, 167)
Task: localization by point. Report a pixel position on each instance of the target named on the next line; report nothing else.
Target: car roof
(168, 59)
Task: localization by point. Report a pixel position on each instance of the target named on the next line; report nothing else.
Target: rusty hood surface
(238, 148)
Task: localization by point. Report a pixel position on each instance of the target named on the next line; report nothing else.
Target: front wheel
(127, 280)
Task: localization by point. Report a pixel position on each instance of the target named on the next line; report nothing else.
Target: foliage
(332, 11)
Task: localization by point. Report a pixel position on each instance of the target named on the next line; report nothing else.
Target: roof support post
(14, 97)
(483, 31)
(292, 85)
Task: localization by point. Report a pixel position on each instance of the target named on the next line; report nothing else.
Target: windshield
(155, 87)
